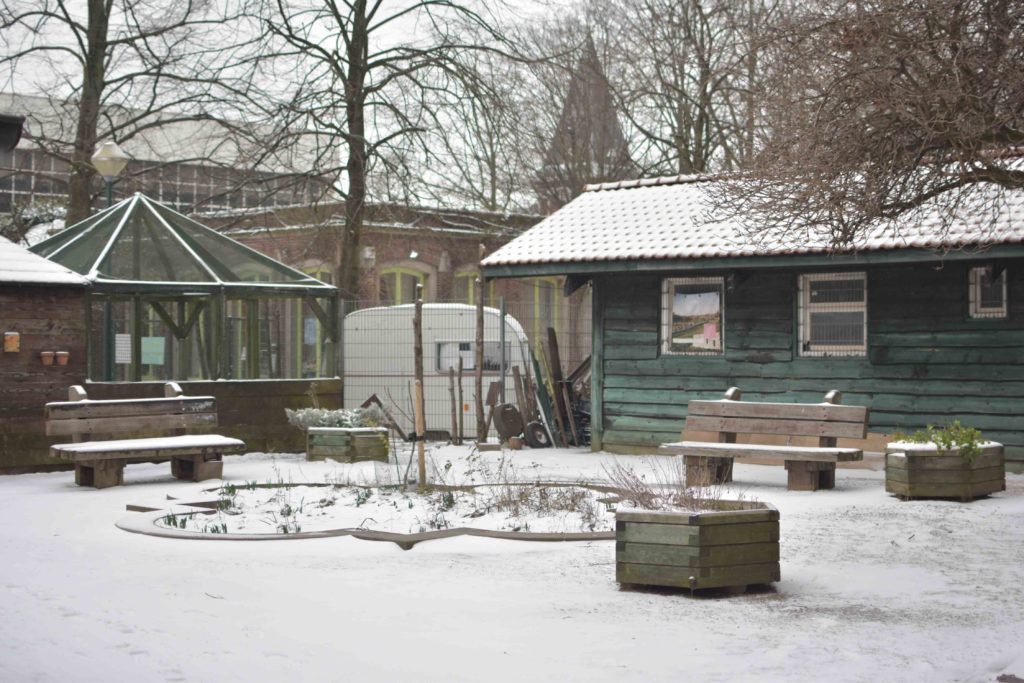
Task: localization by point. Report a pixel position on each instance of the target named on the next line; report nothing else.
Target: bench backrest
(827, 420)
(83, 417)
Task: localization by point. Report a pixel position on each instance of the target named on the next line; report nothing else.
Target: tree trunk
(355, 201)
(93, 83)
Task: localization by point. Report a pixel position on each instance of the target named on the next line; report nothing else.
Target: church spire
(588, 146)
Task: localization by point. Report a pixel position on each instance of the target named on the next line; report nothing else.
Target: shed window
(691, 315)
(987, 293)
(833, 314)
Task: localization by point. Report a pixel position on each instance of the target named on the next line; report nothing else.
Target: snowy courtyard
(872, 589)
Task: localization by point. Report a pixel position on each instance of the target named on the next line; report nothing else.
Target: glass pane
(229, 259)
(462, 291)
(845, 329)
(407, 288)
(85, 250)
(837, 291)
(449, 352)
(387, 289)
(696, 323)
(158, 256)
(991, 290)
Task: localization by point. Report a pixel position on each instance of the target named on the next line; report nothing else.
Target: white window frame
(667, 293)
(975, 310)
(804, 346)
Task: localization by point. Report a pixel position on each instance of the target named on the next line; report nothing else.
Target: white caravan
(378, 360)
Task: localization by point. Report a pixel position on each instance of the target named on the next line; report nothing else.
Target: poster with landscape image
(696, 317)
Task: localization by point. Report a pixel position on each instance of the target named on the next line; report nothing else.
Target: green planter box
(729, 548)
(344, 444)
(921, 470)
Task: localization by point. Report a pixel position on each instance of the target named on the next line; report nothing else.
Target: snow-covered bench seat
(100, 463)
(809, 468)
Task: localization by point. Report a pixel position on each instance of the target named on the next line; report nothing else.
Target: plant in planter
(948, 462)
(342, 435)
(671, 535)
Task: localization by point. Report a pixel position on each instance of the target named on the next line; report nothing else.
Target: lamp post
(109, 160)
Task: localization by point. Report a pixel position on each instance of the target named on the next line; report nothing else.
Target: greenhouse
(172, 299)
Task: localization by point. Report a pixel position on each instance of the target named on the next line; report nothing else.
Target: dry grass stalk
(664, 488)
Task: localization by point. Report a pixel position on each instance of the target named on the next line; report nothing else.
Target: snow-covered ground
(873, 589)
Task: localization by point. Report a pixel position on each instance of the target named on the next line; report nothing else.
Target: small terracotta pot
(47, 357)
(62, 357)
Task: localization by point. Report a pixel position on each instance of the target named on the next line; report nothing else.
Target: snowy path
(873, 589)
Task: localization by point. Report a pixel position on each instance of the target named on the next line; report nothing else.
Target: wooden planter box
(921, 470)
(733, 547)
(344, 444)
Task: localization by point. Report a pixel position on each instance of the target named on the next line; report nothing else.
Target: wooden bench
(100, 462)
(809, 467)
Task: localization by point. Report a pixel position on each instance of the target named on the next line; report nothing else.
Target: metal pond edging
(144, 521)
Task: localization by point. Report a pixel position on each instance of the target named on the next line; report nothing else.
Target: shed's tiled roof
(672, 218)
(19, 265)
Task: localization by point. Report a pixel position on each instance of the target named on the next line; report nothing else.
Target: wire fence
(526, 352)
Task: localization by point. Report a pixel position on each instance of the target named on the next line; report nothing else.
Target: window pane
(846, 329)
(407, 289)
(991, 290)
(462, 290)
(696, 322)
(449, 352)
(837, 291)
(387, 289)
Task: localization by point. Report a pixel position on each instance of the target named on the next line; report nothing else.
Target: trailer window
(449, 352)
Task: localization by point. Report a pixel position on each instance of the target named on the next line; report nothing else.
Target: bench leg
(810, 476)
(707, 470)
(198, 467)
(100, 475)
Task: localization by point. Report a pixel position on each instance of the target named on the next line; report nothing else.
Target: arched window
(464, 290)
(398, 285)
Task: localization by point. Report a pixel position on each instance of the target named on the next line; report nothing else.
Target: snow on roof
(20, 266)
(672, 218)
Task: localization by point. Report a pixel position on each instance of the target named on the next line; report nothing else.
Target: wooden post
(462, 411)
(531, 395)
(455, 415)
(421, 428)
(559, 395)
(479, 356)
(418, 407)
(517, 381)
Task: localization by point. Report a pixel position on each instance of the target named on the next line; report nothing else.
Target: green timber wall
(927, 362)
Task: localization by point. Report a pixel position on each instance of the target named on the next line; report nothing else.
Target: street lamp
(109, 160)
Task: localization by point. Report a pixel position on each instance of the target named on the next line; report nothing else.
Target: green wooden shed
(922, 320)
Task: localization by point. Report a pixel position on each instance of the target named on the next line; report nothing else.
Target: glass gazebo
(172, 299)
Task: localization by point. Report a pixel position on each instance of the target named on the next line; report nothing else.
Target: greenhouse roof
(141, 244)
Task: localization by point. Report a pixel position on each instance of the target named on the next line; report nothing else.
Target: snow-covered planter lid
(919, 448)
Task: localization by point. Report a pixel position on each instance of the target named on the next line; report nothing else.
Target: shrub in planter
(690, 538)
(342, 435)
(951, 462)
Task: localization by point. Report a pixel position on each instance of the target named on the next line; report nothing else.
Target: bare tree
(685, 75)
(477, 148)
(353, 86)
(878, 107)
(116, 68)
